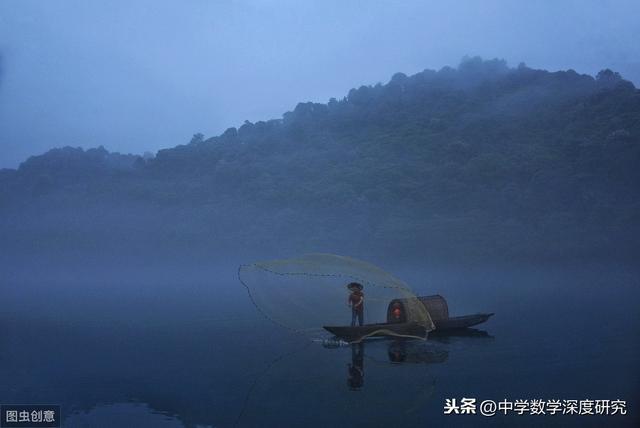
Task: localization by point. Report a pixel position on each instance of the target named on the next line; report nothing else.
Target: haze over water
(167, 347)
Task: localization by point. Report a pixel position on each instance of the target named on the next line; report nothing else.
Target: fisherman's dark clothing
(356, 301)
(357, 314)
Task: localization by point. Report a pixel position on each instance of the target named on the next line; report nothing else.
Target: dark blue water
(160, 347)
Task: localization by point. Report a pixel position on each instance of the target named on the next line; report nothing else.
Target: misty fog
(141, 76)
(485, 152)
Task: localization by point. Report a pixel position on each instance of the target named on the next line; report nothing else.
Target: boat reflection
(399, 351)
(402, 351)
(413, 352)
(310, 378)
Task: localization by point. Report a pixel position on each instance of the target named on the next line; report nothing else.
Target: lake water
(184, 347)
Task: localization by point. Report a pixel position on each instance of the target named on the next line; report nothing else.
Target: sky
(138, 76)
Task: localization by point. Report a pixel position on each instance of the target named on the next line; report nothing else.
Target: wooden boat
(398, 325)
(466, 321)
(350, 334)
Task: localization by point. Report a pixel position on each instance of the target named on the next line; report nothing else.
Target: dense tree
(483, 160)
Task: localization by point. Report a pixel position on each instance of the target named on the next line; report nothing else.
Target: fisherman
(356, 301)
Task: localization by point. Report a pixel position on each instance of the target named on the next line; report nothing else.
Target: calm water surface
(185, 348)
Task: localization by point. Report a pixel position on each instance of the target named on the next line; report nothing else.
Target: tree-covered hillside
(482, 161)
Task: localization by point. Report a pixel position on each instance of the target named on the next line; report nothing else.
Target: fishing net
(311, 292)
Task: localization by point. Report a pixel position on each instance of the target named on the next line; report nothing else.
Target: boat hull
(456, 323)
(411, 329)
(353, 334)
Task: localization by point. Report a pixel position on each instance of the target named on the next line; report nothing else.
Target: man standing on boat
(356, 301)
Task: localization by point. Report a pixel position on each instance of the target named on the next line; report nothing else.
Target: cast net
(308, 293)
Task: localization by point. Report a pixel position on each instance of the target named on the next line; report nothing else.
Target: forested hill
(482, 161)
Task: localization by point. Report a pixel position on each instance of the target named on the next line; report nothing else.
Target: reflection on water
(401, 351)
(183, 352)
(122, 415)
(355, 378)
(308, 385)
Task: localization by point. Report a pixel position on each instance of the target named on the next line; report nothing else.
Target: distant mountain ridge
(482, 161)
